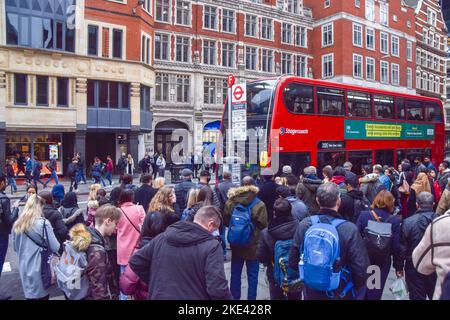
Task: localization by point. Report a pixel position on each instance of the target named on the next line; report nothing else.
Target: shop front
(41, 146)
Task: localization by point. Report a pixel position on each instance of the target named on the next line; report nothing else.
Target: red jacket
(131, 285)
(109, 166)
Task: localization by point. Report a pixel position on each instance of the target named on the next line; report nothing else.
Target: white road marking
(6, 267)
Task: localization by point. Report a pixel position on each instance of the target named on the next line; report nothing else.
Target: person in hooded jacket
(421, 184)
(299, 210)
(381, 210)
(267, 190)
(58, 194)
(282, 227)
(245, 254)
(407, 175)
(55, 218)
(339, 179)
(307, 189)
(353, 201)
(70, 211)
(413, 228)
(186, 261)
(130, 284)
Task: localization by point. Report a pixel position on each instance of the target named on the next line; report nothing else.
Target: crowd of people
(317, 234)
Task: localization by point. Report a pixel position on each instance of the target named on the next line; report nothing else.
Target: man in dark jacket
(7, 218)
(102, 281)
(145, 193)
(55, 218)
(204, 179)
(268, 190)
(185, 262)
(299, 210)
(352, 249)
(413, 228)
(37, 172)
(245, 254)
(121, 166)
(307, 188)
(182, 189)
(51, 166)
(348, 171)
(282, 227)
(353, 201)
(222, 189)
(444, 175)
(81, 179)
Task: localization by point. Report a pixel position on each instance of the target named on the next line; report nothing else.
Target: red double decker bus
(319, 123)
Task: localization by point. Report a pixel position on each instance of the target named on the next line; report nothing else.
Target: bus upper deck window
(299, 98)
(400, 111)
(414, 110)
(331, 101)
(359, 104)
(433, 112)
(384, 107)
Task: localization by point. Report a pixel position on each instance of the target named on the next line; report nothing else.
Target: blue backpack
(320, 257)
(241, 227)
(285, 277)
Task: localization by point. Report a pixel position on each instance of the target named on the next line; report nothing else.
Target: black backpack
(360, 205)
(378, 238)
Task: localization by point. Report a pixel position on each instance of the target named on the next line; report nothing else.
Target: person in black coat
(267, 191)
(70, 211)
(413, 228)
(381, 210)
(408, 175)
(182, 189)
(353, 252)
(186, 261)
(145, 193)
(282, 227)
(353, 201)
(55, 218)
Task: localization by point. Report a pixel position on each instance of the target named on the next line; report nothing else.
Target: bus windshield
(259, 95)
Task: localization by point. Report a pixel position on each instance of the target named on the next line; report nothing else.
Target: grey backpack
(71, 273)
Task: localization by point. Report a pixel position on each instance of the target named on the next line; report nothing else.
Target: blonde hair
(80, 238)
(159, 183)
(192, 198)
(31, 212)
(161, 201)
(93, 191)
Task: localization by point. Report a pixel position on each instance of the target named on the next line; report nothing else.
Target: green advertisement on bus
(360, 129)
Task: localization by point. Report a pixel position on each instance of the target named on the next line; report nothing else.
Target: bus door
(384, 157)
(297, 160)
(359, 159)
(333, 158)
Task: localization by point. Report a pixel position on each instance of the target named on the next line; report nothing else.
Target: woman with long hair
(130, 165)
(159, 183)
(204, 198)
(405, 176)
(31, 232)
(421, 184)
(164, 202)
(92, 204)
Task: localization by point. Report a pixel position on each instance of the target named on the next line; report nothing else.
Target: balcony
(103, 118)
(146, 120)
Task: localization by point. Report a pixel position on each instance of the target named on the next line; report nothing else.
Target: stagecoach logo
(293, 132)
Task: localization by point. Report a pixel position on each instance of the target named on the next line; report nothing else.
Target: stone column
(81, 105)
(133, 146)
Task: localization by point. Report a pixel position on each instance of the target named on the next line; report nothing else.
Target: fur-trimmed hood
(233, 192)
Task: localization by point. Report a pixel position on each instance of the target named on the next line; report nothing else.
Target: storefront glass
(41, 146)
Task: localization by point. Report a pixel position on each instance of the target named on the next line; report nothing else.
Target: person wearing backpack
(51, 166)
(413, 228)
(353, 202)
(121, 166)
(274, 244)
(33, 242)
(299, 210)
(128, 230)
(72, 172)
(421, 184)
(70, 271)
(343, 274)
(370, 184)
(245, 215)
(381, 233)
(54, 217)
(70, 211)
(103, 283)
(191, 203)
